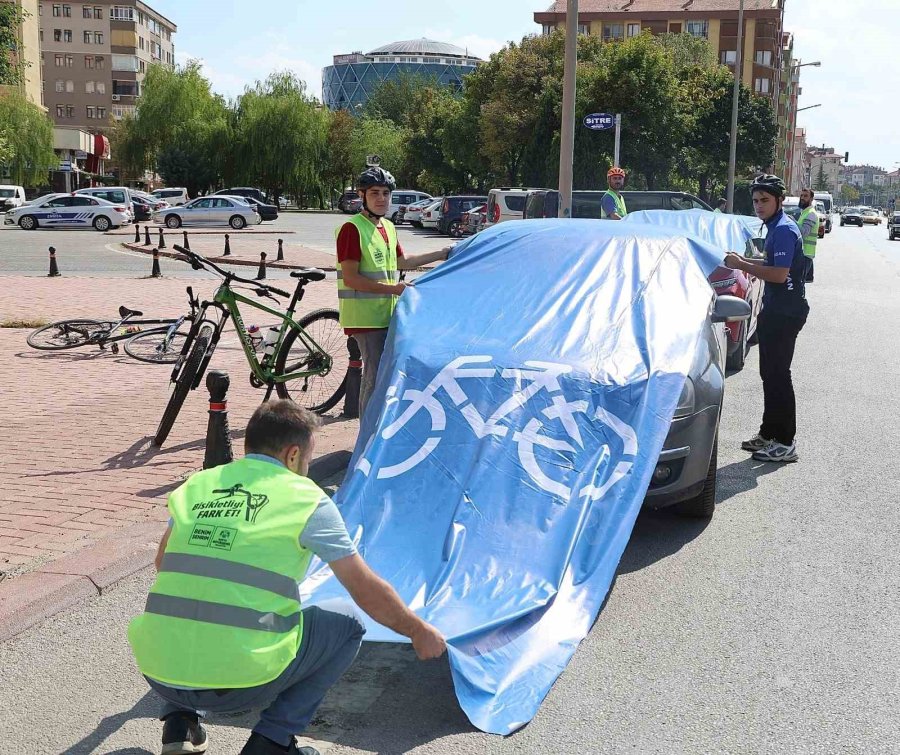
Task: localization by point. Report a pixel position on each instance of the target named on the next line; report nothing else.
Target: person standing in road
(612, 204)
(809, 229)
(369, 258)
(783, 316)
(721, 205)
(223, 629)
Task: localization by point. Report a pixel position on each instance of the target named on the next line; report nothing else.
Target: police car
(68, 211)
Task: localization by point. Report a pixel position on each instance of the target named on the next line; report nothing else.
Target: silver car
(216, 211)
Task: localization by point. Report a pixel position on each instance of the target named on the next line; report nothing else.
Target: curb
(220, 260)
(200, 232)
(59, 585)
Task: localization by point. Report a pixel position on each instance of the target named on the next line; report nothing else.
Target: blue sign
(600, 121)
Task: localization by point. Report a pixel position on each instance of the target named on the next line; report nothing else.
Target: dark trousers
(809, 269)
(777, 338)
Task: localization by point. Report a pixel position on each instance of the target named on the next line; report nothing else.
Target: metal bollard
(187, 244)
(162, 240)
(353, 380)
(227, 246)
(218, 436)
(137, 234)
(155, 271)
(54, 270)
(261, 274)
(147, 241)
(280, 256)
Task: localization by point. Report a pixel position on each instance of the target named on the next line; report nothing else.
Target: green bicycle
(304, 360)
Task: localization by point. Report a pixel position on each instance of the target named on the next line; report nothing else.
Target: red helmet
(615, 171)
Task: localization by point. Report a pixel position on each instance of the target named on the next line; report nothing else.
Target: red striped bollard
(218, 436)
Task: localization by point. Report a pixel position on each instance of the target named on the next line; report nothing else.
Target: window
(81, 201)
(41, 35)
(60, 85)
(633, 30)
(57, 10)
(697, 28)
(764, 57)
(90, 111)
(101, 87)
(98, 37)
(88, 87)
(142, 67)
(70, 111)
(729, 57)
(87, 37)
(121, 13)
(59, 110)
(57, 35)
(141, 42)
(762, 86)
(100, 61)
(88, 61)
(583, 29)
(86, 12)
(98, 12)
(70, 86)
(67, 35)
(547, 29)
(613, 31)
(101, 113)
(729, 28)
(67, 11)
(125, 63)
(70, 61)
(58, 60)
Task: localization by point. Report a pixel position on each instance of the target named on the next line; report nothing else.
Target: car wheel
(456, 229)
(735, 360)
(415, 224)
(394, 218)
(237, 222)
(173, 221)
(101, 223)
(28, 222)
(703, 506)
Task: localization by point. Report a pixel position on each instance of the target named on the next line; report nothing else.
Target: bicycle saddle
(308, 274)
(124, 312)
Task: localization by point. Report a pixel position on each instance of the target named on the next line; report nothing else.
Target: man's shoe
(756, 443)
(183, 734)
(776, 451)
(260, 745)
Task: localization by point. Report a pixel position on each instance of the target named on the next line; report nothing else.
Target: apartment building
(27, 50)
(787, 111)
(96, 56)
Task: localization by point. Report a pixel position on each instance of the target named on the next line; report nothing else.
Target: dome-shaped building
(350, 81)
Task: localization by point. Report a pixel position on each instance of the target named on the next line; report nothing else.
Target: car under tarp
(522, 401)
(728, 232)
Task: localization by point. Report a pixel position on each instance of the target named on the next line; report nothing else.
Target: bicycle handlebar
(196, 258)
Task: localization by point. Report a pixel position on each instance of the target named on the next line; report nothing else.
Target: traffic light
(846, 157)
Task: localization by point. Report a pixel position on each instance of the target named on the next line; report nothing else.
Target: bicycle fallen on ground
(304, 360)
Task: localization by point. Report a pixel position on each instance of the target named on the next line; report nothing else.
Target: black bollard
(155, 272)
(218, 437)
(280, 256)
(227, 247)
(187, 244)
(353, 380)
(147, 241)
(54, 270)
(262, 267)
(137, 234)
(162, 240)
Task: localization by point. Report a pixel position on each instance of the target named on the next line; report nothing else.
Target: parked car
(505, 204)
(431, 215)
(452, 209)
(413, 212)
(473, 220)
(347, 198)
(118, 195)
(266, 211)
(213, 210)
(401, 199)
(544, 203)
(155, 202)
(69, 211)
(893, 225)
(245, 191)
(141, 208)
(871, 217)
(852, 216)
(11, 197)
(175, 196)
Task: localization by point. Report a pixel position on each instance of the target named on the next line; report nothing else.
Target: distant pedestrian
(612, 204)
(223, 629)
(721, 205)
(783, 316)
(809, 229)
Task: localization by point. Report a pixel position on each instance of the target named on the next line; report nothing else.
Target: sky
(241, 42)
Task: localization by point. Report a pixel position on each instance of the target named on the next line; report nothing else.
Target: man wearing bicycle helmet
(613, 203)
(782, 318)
(369, 260)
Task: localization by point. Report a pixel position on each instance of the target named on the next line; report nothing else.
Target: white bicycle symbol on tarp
(534, 378)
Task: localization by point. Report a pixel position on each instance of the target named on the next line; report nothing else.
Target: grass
(16, 323)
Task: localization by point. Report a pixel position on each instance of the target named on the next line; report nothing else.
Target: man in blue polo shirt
(782, 318)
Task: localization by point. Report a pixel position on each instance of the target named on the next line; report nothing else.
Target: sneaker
(260, 745)
(756, 443)
(183, 734)
(776, 451)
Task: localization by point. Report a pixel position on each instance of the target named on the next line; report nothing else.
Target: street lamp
(816, 63)
(808, 107)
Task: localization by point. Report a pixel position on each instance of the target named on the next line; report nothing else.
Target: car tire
(415, 224)
(735, 361)
(101, 223)
(173, 221)
(703, 506)
(394, 218)
(28, 223)
(455, 230)
(237, 222)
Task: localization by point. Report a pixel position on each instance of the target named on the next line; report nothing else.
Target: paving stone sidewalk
(78, 464)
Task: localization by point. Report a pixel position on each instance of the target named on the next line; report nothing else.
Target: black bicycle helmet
(375, 177)
(771, 184)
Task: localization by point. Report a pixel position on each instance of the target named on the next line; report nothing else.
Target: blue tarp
(728, 232)
(522, 401)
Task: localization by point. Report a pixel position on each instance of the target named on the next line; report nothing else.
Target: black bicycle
(305, 360)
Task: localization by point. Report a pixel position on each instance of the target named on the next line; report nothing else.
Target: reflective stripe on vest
(620, 204)
(224, 611)
(812, 238)
(362, 309)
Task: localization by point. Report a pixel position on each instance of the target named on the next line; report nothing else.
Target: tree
(339, 156)
(27, 133)
(821, 182)
(849, 193)
(373, 136)
(12, 65)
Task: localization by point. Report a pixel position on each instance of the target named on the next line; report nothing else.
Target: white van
(403, 198)
(505, 204)
(118, 195)
(175, 196)
(11, 197)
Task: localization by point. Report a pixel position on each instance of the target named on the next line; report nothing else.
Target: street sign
(65, 165)
(600, 121)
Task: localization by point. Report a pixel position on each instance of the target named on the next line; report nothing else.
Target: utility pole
(738, 73)
(567, 132)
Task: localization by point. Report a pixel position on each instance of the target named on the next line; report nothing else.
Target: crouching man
(223, 629)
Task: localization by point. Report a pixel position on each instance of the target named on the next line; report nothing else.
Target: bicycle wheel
(318, 392)
(66, 334)
(156, 347)
(183, 384)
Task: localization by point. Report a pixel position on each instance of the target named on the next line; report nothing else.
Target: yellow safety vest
(620, 204)
(812, 238)
(361, 309)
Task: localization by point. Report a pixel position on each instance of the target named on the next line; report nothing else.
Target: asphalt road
(772, 629)
(87, 252)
